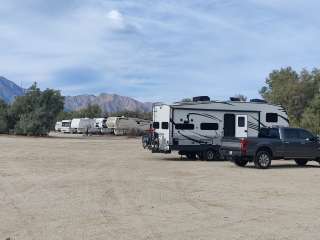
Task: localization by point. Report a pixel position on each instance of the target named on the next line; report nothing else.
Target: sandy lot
(110, 188)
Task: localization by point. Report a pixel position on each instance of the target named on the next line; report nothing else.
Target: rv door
(241, 126)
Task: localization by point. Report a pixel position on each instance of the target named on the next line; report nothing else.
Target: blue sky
(156, 50)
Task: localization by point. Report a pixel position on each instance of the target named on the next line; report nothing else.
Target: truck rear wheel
(211, 155)
(262, 160)
(301, 162)
(240, 162)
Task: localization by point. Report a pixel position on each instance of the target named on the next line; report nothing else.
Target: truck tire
(262, 160)
(301, 162)
(240, 162)
(211, 155)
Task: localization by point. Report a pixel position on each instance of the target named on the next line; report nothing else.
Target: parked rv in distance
(58, 126)
(66, 126)
(123, 125)
(101, 126)
(196, 128)
(115, 125)
(82, 125)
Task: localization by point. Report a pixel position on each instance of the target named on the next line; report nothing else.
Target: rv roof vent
(201, 99)
(235, 99)
(258, 100)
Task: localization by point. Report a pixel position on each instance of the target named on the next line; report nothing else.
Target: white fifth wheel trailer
(82, 125)
(66, 126)
(122, 125)
(196, 128)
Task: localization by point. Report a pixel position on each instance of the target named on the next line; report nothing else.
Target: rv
(122, 125)
(58, 126)
(101, 126)
(82, 125)
(195, 129)
(66, 126)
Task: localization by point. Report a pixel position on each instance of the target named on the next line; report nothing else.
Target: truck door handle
(285, 142)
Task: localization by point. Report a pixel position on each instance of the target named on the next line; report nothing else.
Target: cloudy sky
(156, 50)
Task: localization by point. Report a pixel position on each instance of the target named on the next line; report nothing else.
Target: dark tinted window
(269, 133)
(303, 134)
(209, 126)
(241, 122)
(156, 125)
(164, 125)
(184, 126)
(271, 117)
(291, 133)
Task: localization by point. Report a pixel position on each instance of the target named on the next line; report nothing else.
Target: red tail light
(244, 146)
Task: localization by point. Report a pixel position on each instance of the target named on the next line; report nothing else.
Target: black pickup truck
(271, 144)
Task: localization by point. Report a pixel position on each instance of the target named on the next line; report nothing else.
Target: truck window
(291, 133)
(164, 125)
(303, 134)
(156, 125)
(184, 126)
(272, 117)
(209, 126)
(269, 133)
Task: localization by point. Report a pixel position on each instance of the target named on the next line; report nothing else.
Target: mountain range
(107, 102)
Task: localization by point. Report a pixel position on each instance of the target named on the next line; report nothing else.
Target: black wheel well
(266, 149)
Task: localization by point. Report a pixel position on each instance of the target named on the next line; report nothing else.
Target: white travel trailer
(196, 128)
(58, 126)
(66, 126)
(101, 126)
(122, 125)
(82, 125)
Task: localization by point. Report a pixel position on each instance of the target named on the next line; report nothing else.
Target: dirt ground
(111, 188)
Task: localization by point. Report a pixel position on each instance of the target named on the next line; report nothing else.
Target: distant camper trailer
(58, 126)
(66, 126)
(101, 126)
(82, 125)
(122, 125)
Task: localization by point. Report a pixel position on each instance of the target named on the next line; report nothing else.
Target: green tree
(3, 117)
(92, 111)
(35, 113)
(311, 117)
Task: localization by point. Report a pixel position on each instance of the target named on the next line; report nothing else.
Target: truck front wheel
(262, 160)
(240, 162)
(301, 162)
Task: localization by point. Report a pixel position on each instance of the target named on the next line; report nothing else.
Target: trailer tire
(301, 162)
(211, 155)
(191, 156)
(262, 159)
(240, 162)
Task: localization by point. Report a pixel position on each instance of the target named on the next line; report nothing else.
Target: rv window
(165, 125)
(209, 126)
(241, 122)
(184, 126)
(156, 125)
(271, 117)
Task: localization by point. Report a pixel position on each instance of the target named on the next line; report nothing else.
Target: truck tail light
(244, 146)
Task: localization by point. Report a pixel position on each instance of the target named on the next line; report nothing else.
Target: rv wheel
(211, 155)
(191, 156)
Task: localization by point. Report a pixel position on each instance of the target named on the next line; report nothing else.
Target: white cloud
(116, 19)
